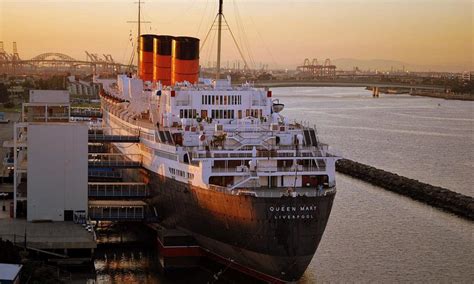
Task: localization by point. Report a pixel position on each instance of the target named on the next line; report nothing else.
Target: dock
(47, 235)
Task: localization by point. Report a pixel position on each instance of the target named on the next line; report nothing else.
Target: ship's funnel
(185, 60)
(162, 59)
(146, 57)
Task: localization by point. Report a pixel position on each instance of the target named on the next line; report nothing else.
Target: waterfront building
(50, 159)
(83, 88)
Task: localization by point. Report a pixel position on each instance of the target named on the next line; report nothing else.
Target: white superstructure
(217, 136)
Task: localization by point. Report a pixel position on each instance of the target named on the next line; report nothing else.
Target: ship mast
(138, 38)
(219, 34)
(222, 20)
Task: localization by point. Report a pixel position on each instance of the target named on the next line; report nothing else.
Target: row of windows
(222, 114)
(187, 113)
(181, 173)
(254, 113)
(221, 100)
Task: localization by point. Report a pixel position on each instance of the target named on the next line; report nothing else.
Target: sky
(423, 34)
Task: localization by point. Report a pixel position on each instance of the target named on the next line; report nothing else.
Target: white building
(57, 171)
(466, 75)
(83, 88)
(50, 164)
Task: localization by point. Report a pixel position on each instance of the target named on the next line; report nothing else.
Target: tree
(3, 93)
(9, 253)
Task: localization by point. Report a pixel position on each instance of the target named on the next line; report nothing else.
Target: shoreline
(446, 96)
(283, 84)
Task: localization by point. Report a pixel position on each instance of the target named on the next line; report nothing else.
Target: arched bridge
(56, 61)
(52, 56)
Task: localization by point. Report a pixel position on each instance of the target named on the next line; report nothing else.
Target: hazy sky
(280, 32)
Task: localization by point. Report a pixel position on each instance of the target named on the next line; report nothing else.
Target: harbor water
(372, 235)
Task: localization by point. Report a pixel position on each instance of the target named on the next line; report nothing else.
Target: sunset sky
(424, 34)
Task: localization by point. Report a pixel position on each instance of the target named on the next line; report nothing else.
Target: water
(374, 235)
(428, 139)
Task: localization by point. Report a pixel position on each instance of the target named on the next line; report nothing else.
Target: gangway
(104, 175)
(113, 135)
(116, 210)
(96, 148)
(115, 161)
(117, 189)
(86, 112)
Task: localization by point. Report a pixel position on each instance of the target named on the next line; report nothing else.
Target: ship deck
(279, 191)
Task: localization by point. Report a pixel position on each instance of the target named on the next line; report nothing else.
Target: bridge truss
(54, 62)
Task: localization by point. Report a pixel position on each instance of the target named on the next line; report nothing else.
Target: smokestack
(185, 60)
(146, 57)
(162, 59)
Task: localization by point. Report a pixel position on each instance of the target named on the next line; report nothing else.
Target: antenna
(219, 38)
(140, 2)
(138, 36)
(220, 20)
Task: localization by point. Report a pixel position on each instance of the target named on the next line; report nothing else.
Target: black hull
(274, 236)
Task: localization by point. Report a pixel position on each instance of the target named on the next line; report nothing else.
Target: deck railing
(122, 189)
(277, 192)
(115, 160)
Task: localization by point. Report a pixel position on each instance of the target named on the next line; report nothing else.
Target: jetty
(439, 197)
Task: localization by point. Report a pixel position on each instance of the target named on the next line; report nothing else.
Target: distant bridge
(54, 61)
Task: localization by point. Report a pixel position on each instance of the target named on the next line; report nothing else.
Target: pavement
(47, 235)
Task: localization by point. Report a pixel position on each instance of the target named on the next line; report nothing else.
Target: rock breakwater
(435, 196)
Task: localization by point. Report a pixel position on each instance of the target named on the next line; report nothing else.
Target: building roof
(9, 272)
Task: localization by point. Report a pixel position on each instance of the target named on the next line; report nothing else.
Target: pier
(49, 237)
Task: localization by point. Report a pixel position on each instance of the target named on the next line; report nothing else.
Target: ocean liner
(223, 164)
